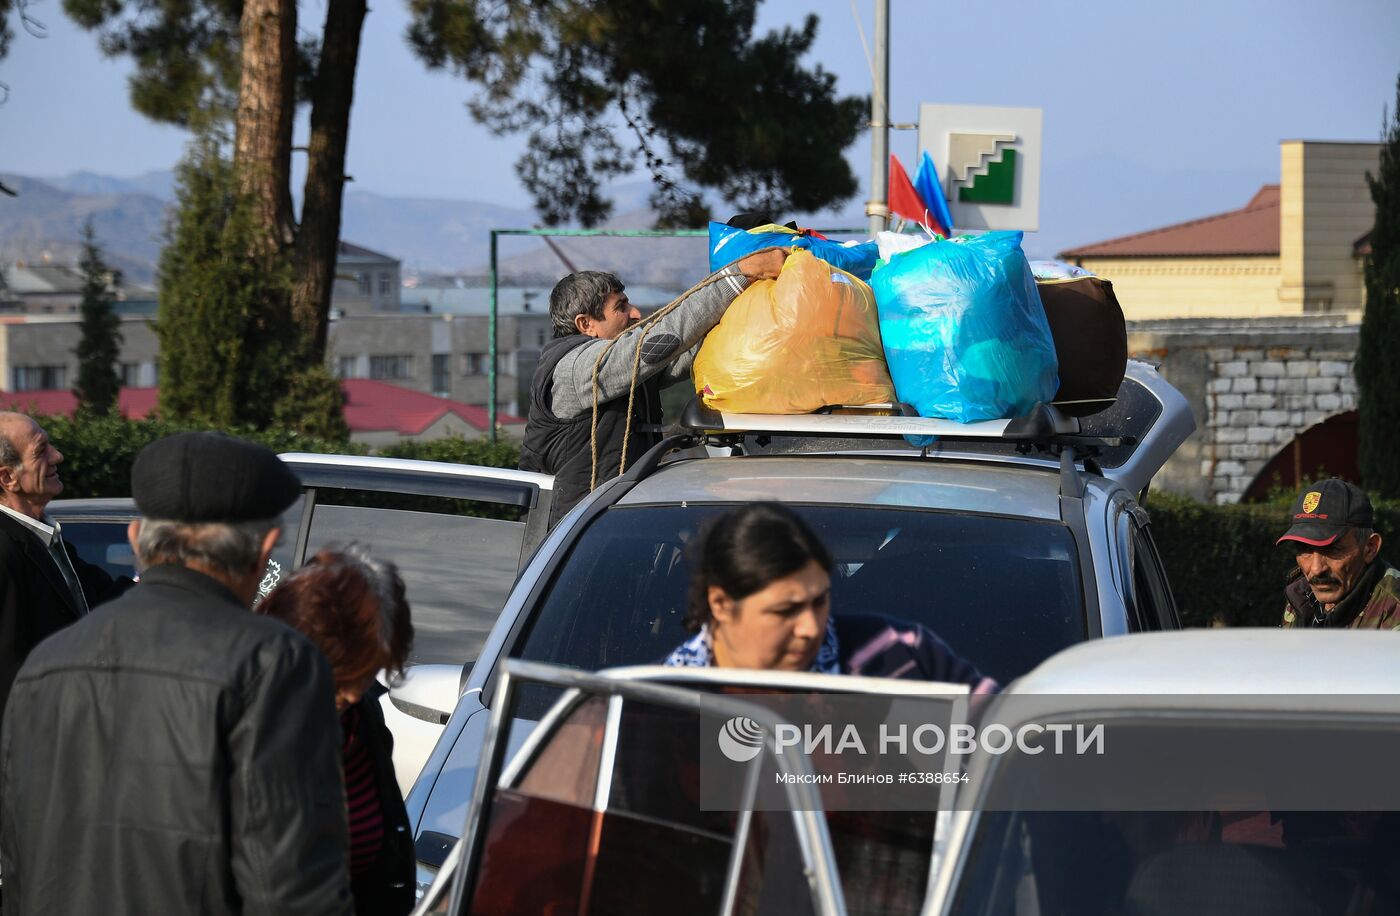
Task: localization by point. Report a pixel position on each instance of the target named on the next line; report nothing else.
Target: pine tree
(100, 344)
(1378, 356)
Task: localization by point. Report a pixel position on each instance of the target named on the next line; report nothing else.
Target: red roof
(372, 405)
(131, 402)
(369, 406)
(1251, 230)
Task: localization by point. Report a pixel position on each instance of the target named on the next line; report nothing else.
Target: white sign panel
(988, 162)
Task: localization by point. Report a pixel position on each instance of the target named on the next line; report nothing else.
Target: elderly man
(1341, 580)
(44, 584)
(172, 752)
(589, 310)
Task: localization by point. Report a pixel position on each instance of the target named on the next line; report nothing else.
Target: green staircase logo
(984, 167)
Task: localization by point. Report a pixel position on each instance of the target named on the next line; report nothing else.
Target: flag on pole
(904, 200)
(930, 190)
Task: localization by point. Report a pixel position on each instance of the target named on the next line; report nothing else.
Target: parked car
(458, 533)
(1244, 771)
(1011, 539)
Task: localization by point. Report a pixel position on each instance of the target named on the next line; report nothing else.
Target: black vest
(563, 447)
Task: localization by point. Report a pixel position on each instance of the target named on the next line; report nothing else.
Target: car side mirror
(429, 692)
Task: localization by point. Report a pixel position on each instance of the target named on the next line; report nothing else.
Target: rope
(642, 327)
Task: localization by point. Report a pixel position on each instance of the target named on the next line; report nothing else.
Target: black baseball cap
(1324, 510)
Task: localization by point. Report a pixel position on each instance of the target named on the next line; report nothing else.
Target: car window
(101, 543)
(1192, 813)
(1150, 583)
(560, 834)
(458, 567)
(1003, 592)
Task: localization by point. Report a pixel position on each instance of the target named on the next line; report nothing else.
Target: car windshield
(1182, 863)
(1003, 592)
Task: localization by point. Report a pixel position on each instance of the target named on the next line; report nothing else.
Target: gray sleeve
(670, 341)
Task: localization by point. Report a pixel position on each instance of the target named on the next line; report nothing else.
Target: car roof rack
(1044, 426)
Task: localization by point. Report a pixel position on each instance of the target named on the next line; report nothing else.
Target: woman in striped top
(354, 609)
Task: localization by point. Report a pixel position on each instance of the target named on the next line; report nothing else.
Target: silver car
(1239, 771)
(459, 535)
(1012, 540)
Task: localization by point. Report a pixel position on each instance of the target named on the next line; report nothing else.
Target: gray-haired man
(44, 584)
(589, 309)
(172, 752)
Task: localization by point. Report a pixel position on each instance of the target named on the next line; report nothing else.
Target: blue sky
(1154, 112)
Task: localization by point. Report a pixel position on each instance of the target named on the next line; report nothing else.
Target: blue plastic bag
(964, 332)
(728, 244)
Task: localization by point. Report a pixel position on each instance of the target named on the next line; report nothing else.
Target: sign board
(988, 162)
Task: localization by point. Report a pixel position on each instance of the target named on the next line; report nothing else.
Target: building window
(441, 370)
(390, 367)
(363, 280)
(386, 284)
(40, 378)
(346, 365)
(131, 375)
(474, 364)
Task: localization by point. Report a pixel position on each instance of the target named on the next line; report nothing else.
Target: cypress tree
(100, 343)
(227, 344)
(231, 353)
(1378, 355)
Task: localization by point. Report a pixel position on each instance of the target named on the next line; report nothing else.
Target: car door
(596, 809)
(605, 805)
(458, 533)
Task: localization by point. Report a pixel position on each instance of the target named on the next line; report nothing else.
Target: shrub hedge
(98, 451)
(1222, 562)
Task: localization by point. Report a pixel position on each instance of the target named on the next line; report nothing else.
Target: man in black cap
(1341, 580)
(172, 752)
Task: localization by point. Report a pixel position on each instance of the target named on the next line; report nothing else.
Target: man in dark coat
(172, 752)
(593, 320)
(44, 584)
(1341, 579)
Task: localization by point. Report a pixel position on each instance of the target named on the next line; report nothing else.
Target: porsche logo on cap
(1310, 502)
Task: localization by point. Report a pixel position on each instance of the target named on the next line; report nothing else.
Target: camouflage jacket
(1374, 604)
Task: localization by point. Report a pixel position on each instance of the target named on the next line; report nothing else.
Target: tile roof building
(377, 413)
(1294, 248)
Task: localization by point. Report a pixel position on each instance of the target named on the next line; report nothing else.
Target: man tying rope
(595, 403)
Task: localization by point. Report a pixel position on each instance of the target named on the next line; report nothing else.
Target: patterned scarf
(696, 652)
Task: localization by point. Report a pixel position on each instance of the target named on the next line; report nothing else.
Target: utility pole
(877, 208)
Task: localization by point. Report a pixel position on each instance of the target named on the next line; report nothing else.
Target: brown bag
(1091, 342)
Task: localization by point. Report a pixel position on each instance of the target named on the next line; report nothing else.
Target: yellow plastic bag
(806, 340)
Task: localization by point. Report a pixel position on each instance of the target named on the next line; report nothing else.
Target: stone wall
(1252, 385)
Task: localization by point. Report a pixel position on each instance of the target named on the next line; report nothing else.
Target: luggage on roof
(804, 341)
(1091, 341)
(964, 332)
(728, 244)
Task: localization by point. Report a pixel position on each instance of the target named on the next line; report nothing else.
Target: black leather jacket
(172, 752)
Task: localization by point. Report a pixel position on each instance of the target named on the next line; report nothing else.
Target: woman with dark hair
(354, 609)
(760, 597)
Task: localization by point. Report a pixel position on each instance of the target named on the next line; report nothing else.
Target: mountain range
(1083, 201)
